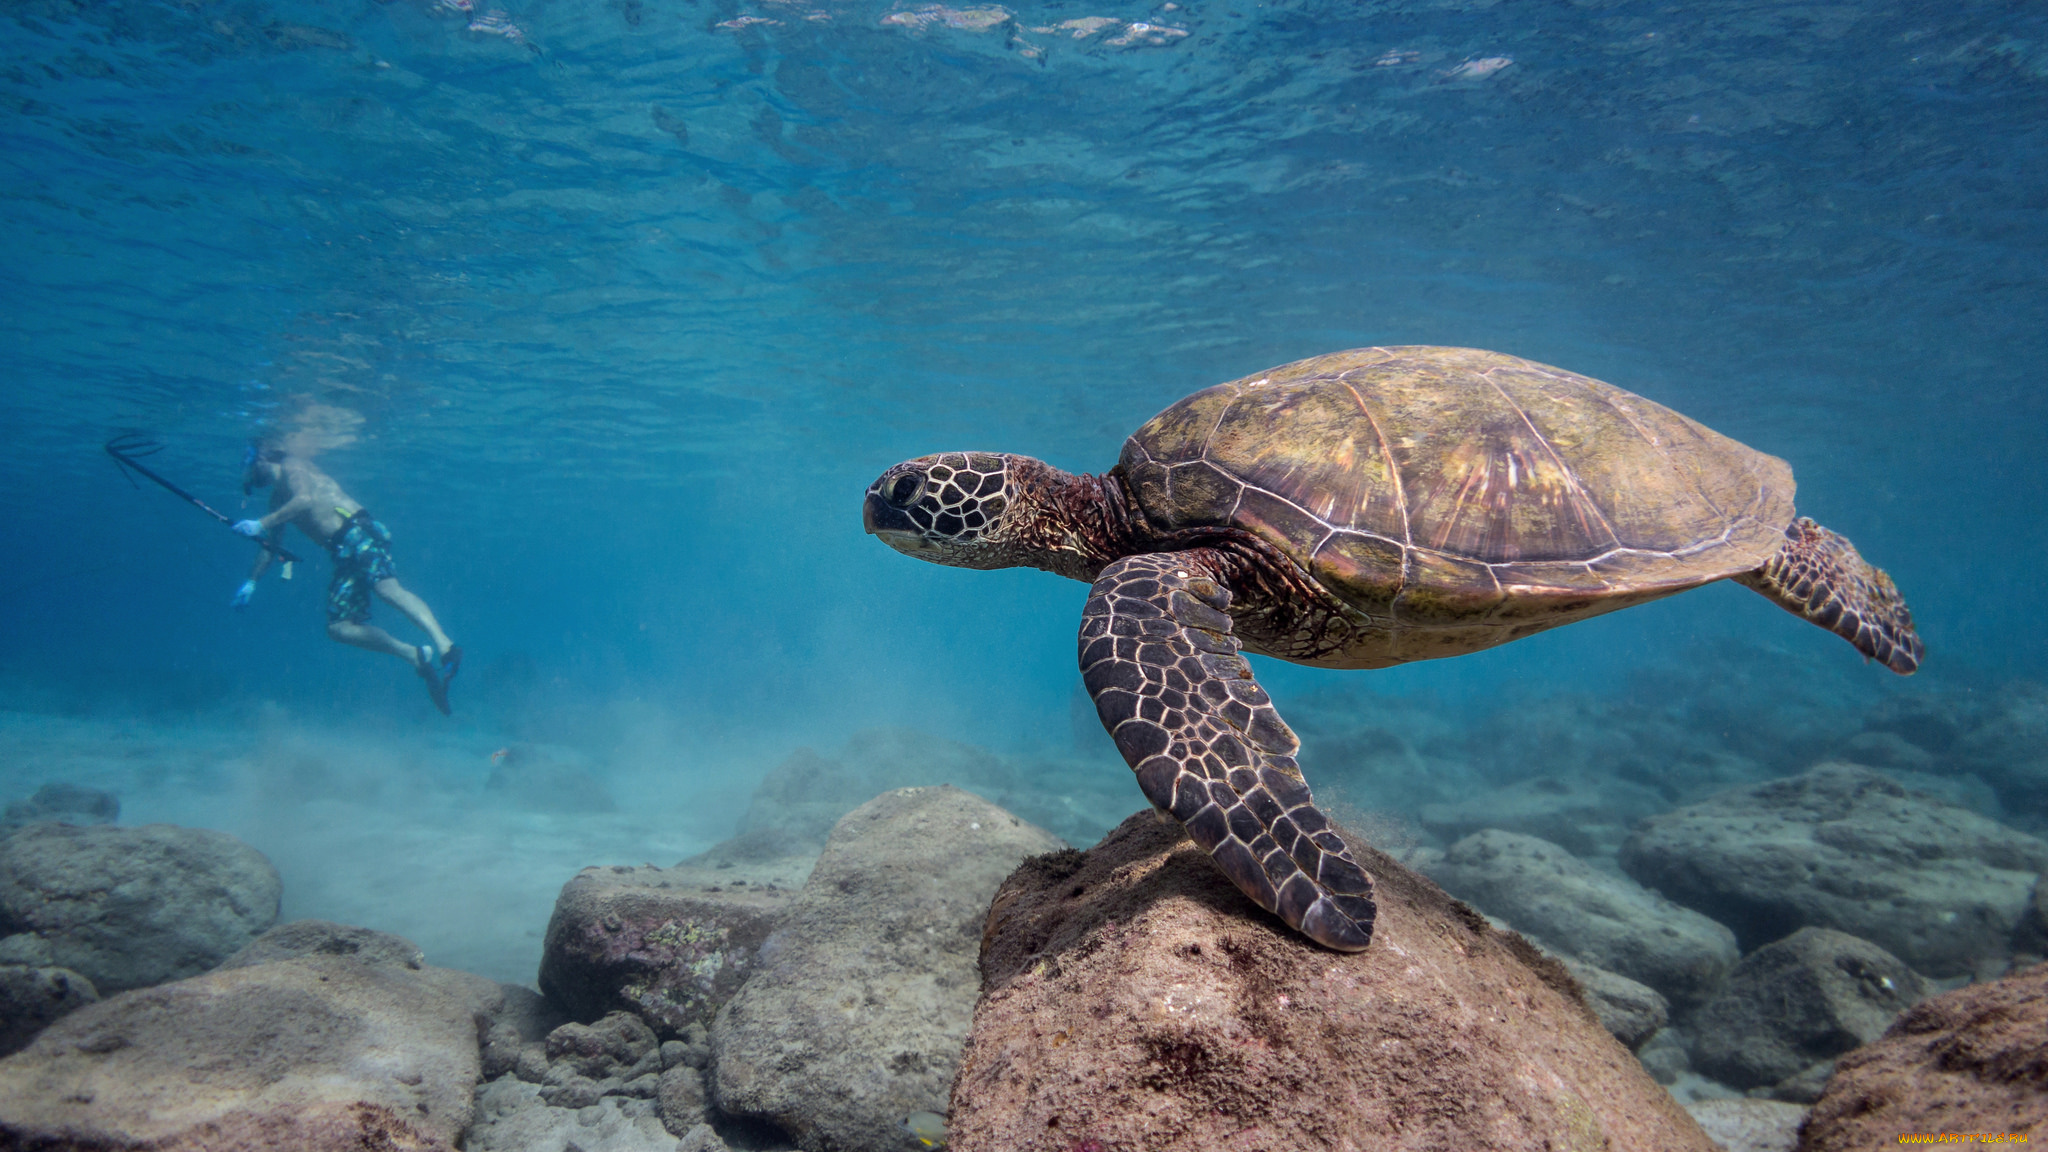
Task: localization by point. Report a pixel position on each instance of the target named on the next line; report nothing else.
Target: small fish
(500, 755)
(928, 1127)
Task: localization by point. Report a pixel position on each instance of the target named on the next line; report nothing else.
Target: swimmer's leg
(374, 639)
(416, 610)
(378, 640)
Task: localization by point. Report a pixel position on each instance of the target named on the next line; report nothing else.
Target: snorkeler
(360, 547)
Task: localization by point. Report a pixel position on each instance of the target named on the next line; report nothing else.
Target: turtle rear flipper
(1208, 747)
(1820, 576)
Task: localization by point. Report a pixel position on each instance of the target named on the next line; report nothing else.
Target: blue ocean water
(611, 310)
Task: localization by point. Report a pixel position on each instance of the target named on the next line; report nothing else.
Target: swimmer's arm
(263, 557)
(275, 520)
(272, 525)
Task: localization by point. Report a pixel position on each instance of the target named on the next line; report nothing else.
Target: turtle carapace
(1360, 510)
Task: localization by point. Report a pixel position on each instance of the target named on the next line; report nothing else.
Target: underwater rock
(32, 999)
(1847, 848)
(1801, 1087)
(1971, 1060)
(671, 945)
(1750, 1125)
(1402, 751)
(855, 1014)
(1809, 997)
(299, 939)
(1132, 997)
(1684, 731)
(1579, 911)
(694, 1049)
(508, 1017)
(518, 1018)
(62, 804)
(1663, 1056)
(1929, 720)
(802, 799)
(1632, 1012)
(2006, 744)
(702, 1139)
(2032, 937)
(798, 802)
(512, 1116)
(618, 1046)
(316, 1053)
(1583, 816)
(1882, 748)
(130, 907)
(611, 1076)
(587, 1062)
(681, 1099)
(1891, 752)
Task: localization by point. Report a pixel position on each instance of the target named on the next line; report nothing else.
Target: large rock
(855, 1014)
(62, 803)
(1920, 770)
(1789, 1005)
(2005, 742)
(512, 1117)
(130, 907)
(1844, 847)
(595, 1088)
(617, 1056)
(1750, 1125)
(1971, 1060)
(2032, 936)
(314, 1052)
(32, 999)
(799, 801)
(669, 944)
(602, 1087)
(1579, 911)
(299, 939)
(1633, 1012)
(1133, 998)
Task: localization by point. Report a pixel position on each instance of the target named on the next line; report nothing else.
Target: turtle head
(951, 509)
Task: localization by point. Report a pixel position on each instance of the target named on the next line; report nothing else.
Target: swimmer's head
(259, 465)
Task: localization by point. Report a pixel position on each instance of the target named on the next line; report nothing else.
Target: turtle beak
(882, 520)
(893, 527)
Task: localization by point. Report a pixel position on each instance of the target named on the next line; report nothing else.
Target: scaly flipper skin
(1821, 576)
(1208, 747)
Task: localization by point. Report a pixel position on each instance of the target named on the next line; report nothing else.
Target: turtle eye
(903, 490)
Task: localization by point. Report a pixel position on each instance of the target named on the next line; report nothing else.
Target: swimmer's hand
(241, 597)
(249, 528)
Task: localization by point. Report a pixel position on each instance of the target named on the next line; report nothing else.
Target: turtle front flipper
(1170, 685)
(1820, 576)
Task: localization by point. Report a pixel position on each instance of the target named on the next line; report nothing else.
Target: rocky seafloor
(1602, 920)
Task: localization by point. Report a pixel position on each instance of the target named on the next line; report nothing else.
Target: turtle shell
(1456, 498)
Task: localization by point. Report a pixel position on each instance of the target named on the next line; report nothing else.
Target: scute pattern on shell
(1458, 498)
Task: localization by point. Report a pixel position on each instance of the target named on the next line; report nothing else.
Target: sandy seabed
(380, 829)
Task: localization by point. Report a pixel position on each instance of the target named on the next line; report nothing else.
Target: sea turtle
(1359, 510)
